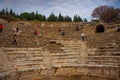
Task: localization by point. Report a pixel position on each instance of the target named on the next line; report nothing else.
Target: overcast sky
(83, 8)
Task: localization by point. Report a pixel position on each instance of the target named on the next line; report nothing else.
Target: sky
(83, 8)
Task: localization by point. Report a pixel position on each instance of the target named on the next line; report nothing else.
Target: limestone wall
(87, 70)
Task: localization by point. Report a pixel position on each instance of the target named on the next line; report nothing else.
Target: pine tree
(52, 17)
(6, 11)
(85, 20)
(68, 19)
(60, 17)
(77, 18)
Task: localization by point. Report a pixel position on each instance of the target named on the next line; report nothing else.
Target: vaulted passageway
(100, 28)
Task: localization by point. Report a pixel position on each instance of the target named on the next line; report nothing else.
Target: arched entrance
(100, 28)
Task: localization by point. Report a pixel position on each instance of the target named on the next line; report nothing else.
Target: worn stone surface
(52, 54)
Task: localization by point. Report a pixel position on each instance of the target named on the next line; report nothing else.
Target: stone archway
(100, 28)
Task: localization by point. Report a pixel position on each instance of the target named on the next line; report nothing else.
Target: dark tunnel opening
(100, 29)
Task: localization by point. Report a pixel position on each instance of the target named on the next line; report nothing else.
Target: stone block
(43, 72)
(106, 71)
(69, 70)
(115, 72)
(82, 70)
(95, 71)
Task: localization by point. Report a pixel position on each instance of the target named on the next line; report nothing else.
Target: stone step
(35, 58)
(69, 48)
(105, 53)
(23, 49)
(22, 58)
(84, 65)
(27, 59)
(105, 50)
(103, 57)
(65, 57)
(17, 58)
(64, 54)
(4, 74)
(31, 68)
(5, 68)
(107, 47)
(20, 52)
(108, 53)
(104, 63)
(72, 46)
(36, 55)
(22, 64)
(64, 60)
(75, 44)
(110, 61)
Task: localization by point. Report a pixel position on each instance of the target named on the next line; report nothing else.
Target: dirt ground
(74, 78)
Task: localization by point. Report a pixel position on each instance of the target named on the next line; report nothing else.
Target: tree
(23, 16)
(44, 18)
(41, 17)
(68, 19)
(12, 13)
(52, 17)
(6, 11)
(77, 18)
(112, 15)
(31, 16)
(80, 19)
(85, 20)
(2, 12)
(97, 12)
(60, 17)
(105, 13)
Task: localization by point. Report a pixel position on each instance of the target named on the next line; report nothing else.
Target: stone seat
(57, 54)
(4, 74)
(104, 61)
(15, 59)
(73, 48)
(2, 70)
(104, 50)
(84, 65)
(103, 57)
(23, 49)
(21, 52)
(70, 50)
(19, 60)
(65, 57)
(28, 69)
(35, 58)
(52, 41)
(107, 47)
(108, 53)
(105, 53)
(63, 54)
(72, 43)
(77, 46)
(28, 63)
(68, 60)
(36, 55)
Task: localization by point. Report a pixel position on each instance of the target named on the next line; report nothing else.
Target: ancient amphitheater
(50, 56)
